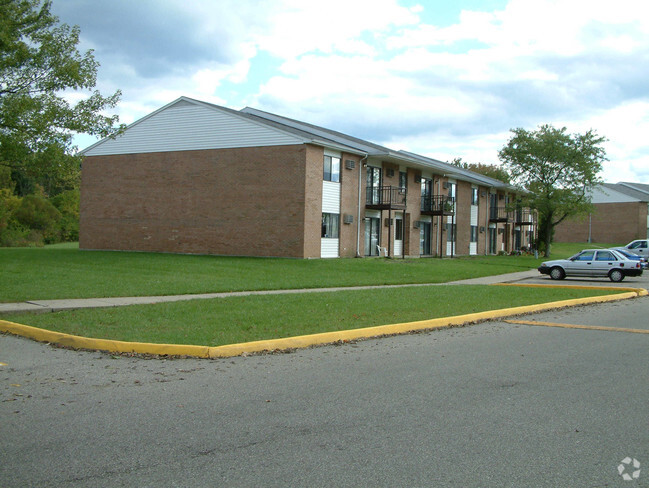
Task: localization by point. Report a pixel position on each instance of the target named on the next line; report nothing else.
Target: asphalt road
(490, 405)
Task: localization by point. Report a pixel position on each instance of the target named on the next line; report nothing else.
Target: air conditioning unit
(417, 178)
(348, 218)
(445, 185)
(482, 229)
(350, 164)
(483, 193)
(416, 224)
(389, 172)
(387, 222)
(500, 231)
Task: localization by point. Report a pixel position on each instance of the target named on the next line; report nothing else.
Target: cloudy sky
(441, 78)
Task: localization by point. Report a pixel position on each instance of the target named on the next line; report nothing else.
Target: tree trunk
(548, 236)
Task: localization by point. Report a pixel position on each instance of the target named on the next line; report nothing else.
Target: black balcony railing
(524, 217)
(437, 205)
(499, 214)
(384, 197)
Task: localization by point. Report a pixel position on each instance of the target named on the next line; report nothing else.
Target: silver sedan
(595, 263)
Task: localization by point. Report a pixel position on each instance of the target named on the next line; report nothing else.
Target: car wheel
(557, 273)
(616, 275)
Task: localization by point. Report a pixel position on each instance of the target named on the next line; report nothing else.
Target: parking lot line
(573, 326)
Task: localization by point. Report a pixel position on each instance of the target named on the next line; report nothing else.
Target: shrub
(68, 204)
(37, 213)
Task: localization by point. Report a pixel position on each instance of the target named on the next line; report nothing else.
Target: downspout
(358, 217)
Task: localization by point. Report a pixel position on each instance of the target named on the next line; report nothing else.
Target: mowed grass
(63, 271)
(241, 319)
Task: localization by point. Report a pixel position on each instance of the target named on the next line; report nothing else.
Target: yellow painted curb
(641, 292)
(78, 342)
(288, 343)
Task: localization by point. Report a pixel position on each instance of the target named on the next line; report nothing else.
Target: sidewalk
(44, 306)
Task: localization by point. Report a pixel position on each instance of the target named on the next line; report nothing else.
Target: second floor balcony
(437, 205)
(499, 214)
(524, 217)
(385, 197)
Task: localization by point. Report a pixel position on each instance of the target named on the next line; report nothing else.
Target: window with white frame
(474, 196)
(331, 168)
(330, 225)
(474, 233)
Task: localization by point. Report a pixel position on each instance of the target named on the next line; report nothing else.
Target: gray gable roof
(636, 191)
(140, 136)
(377, 150)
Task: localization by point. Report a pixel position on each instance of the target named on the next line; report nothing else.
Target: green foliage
(39, 60)
(67, 204)
(559, 169)
(491, 170)
(34, 220)
(38, 214)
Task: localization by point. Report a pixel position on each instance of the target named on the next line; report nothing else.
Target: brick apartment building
(621, 215)
(193, 177)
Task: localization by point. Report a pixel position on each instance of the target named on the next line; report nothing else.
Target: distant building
(621, 215)
(194, 177)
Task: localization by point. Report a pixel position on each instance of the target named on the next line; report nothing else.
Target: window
(398, 229)
(451, 190)
(403, 179)
(585, 256)
(331, 168)
(451, 232)
(330, 225)
(474, 196)
(605, 256)
(474, 233)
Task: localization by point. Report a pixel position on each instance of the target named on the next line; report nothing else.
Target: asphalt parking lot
(489, 405)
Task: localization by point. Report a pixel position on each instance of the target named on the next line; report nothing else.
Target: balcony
(499, 214)
(385, 197)
(524, 217)
(437, 205)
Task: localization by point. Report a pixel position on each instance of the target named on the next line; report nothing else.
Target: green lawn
(63, 271)
(241, 319)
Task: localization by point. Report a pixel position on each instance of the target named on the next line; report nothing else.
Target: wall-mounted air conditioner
(389, 172)
(350, 164)
(348, 219)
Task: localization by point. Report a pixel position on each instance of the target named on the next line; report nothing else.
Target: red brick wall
(349, 205)
(244, 201)
(612, 223)
(463, 218)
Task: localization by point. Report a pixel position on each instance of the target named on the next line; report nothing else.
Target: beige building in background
(621, 215)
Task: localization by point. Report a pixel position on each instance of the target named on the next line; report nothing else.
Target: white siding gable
(186, 126)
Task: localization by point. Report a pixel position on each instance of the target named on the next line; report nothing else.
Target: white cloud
(373, 69)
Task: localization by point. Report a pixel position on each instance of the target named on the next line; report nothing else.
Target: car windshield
(638, 244)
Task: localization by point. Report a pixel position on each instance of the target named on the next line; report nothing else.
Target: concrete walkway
(44, 306)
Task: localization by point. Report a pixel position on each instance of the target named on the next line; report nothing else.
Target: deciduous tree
(559, 170)
(39, 65)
